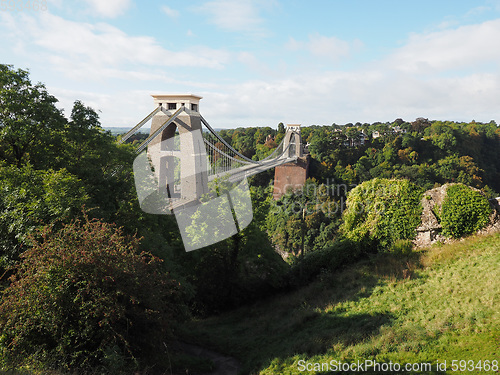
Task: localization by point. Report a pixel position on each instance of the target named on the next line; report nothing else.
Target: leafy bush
(464, 211)
(30, 199)
(381, 211)
(84, 297)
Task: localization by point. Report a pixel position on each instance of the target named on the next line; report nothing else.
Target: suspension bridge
(183, 158)
(180, 134)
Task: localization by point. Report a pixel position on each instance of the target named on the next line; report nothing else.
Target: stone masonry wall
(290, 176)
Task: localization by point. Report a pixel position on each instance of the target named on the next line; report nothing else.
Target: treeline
(423, 151)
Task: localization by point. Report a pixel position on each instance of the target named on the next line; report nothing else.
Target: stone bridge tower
(292, 176)
(184, 133)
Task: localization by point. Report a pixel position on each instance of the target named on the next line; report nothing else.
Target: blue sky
(261, 62)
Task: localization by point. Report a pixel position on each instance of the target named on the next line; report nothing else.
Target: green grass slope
(438, 305)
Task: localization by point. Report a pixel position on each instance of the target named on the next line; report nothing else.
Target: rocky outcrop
(494, 224)
(430, 229)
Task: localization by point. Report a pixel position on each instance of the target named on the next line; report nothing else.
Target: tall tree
(28, 117)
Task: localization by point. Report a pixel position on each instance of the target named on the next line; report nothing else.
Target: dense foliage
(463, 211)
(85, 294)
(29, 120)
(50, 167)
(327, 259)
(425, 152)
(30, 198)
(304, 221)
(381, 211)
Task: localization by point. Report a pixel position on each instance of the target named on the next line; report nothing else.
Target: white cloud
(253, 62)
(327, 48)
(294, 45)
(488, 6)
(79, 48)
(478, 10)
(230, 15)
(172, 13)
(450, 74)
(465, 46)
(446, 74)
(331, 48)
(376, 93)
(109, 8)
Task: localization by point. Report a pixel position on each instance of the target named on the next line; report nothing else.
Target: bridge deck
(238, 174)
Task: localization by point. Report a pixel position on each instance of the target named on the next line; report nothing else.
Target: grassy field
(440, 304)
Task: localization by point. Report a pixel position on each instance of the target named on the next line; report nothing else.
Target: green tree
(33, 130)
(353, 134)
(296, 221)
(420, 124)
(29, 119)
(239, 268)
(92, 154)
(320, 145)
(362, 168)
(84, 297)
(243, 141)
(30, 199)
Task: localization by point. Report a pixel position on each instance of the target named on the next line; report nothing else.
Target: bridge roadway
(238, 174)
(234, 175)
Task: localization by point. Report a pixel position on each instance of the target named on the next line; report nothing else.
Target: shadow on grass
(358, 312)
(308, 333)
(313, 333)
(299, 322)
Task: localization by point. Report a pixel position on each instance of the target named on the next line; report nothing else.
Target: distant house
(394, 130)
(360, 140)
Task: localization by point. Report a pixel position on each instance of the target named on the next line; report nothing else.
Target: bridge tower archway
(293, 141)
(291, 176)
(181, 142)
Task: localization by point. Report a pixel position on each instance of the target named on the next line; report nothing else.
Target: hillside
(440, 304)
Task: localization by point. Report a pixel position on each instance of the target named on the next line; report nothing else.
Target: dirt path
(224, 365)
